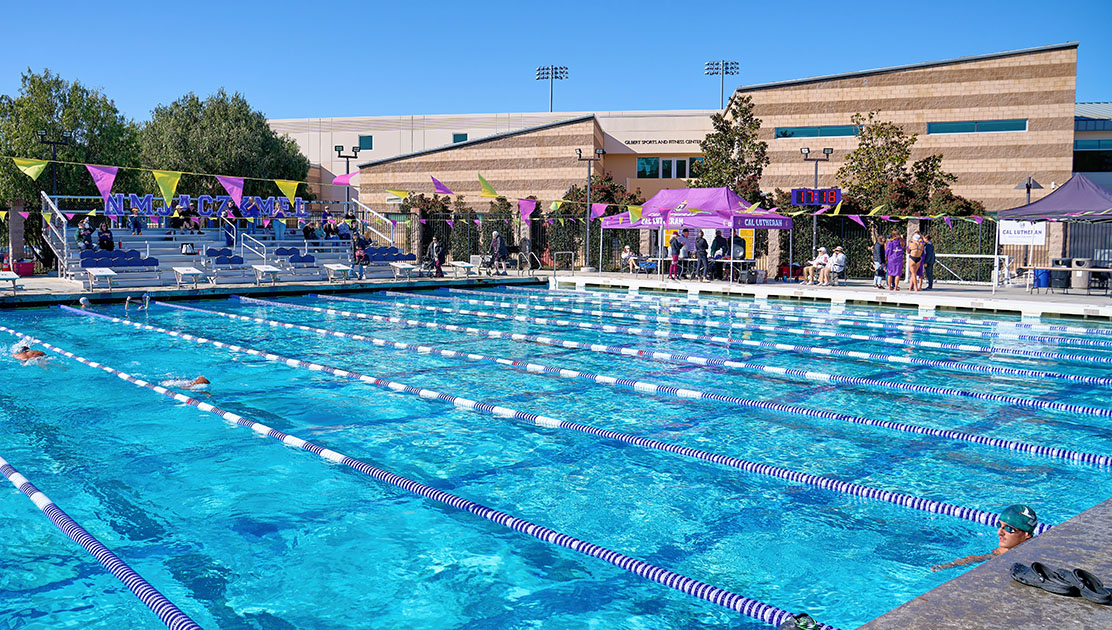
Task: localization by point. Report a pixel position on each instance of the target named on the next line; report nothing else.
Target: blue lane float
(753, 305)
(829, 322)
(690, 586)
(1058, 453)
(167, 612)
(834, 352)
(898, 341)
(897, 498)
(823, 377)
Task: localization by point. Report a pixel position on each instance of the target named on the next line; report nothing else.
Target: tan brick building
(996, 119)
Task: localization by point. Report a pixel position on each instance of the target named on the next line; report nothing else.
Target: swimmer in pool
(84, 302)
(1016, 526)
(23, 353)
(196, 385)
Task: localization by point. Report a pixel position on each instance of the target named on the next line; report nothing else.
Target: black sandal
(1044, 577)
(1087, 584)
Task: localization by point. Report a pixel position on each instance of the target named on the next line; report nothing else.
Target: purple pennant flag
(103, 177)
(450, 222)
(479, 222)
(856, 218)
(978, 220)
(597, 210)
(439, 187)
(527, 206)
(552, 221)
(234, 186)
(820, 210)
(423, 221)
(24, 214)
(949, 223)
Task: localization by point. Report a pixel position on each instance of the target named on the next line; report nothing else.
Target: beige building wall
(1038, 86)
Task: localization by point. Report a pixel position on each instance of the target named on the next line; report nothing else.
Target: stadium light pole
(721, 69)
(347, 171)
(54, 144)
(551, 73)
(826, 153)
(587, 243)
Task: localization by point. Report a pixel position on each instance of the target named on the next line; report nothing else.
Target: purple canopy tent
(700, 208)
(1079, 199)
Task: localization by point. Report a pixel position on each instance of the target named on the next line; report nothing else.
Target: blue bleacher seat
(132, 253)
(235, 260)
(411, 257)
(150, 262)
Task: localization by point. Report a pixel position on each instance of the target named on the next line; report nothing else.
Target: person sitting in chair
(629, 259)
(829, 274)
(814, 267)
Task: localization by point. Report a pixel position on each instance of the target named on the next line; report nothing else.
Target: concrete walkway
(986, 597)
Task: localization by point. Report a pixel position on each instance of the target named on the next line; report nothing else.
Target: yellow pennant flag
(837, 209)
(31, 168)
(555, 205)
(399, 193)
(561, 221)
(288, 188)
(91, 213)
(488, 190)
(877, 210)
(634, 214)
(175, 215)
(46, 217)
(3, 215)
(167, 183)
(754, 208)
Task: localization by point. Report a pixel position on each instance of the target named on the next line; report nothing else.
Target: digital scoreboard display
(816, 196)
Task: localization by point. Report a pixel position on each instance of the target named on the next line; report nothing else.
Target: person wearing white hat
(835, 266)
(814, 267)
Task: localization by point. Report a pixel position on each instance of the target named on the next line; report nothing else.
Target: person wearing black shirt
(701, 246)
(437, 254)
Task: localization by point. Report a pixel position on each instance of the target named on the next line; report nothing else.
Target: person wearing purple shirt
(894, 254)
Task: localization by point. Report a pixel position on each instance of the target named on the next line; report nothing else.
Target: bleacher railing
(261, 251)
(386, 229)
(55, 235)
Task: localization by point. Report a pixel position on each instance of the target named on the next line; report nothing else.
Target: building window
(366, 143)
(1092, 145)
(681, 168)
(648, 168)
(459, 137)
(977, 126)
(827, 131)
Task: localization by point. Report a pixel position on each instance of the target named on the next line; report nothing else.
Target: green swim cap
(1020, 517)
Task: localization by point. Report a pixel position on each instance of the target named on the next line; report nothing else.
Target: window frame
(370, 144)
(938, 128)
(456, 138)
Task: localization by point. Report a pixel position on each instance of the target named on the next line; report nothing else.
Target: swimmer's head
(1020, 517)
(23, 348)
(200, 380)
(83, 301)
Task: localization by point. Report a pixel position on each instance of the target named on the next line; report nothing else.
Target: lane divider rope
(834, 352)
(897, 498)
(916, 343)
(755, 305)
(733, 601)
(1057, 453)
(930, 330)
(167, 612)
(781, 372)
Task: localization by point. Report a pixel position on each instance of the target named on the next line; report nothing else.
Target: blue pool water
(240, 532)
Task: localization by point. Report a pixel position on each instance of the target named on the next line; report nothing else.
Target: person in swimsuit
(1016, 526)
(23, 353)
(196, 385)
(915, 251)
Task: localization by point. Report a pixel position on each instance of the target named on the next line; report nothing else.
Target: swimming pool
(239, 532)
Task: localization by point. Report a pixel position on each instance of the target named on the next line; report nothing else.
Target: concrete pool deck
(987, 597)
(1013, 300)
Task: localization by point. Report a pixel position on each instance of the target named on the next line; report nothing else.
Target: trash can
(1042, 278)
(1080, 279)
(25, 269)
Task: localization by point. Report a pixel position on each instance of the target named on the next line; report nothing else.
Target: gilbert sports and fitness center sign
(1023, 232)
(206, 205)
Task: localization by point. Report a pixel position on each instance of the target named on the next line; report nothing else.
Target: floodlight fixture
(805, 150)
(827, 151)
(550, 74)
(720, 69)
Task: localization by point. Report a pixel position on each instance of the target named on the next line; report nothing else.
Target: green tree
(570, 236)
(500, 218)
(732, 154)
(99, 135)
(221, 135)
(465, 241)
(433, 210)
(873, 172)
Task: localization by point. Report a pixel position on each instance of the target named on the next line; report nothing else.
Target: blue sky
(299, 59)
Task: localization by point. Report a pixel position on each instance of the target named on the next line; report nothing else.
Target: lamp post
(587, 243)
(551, 73)
(826, 153)
(54, 144)
(347, 171)
(721, 69)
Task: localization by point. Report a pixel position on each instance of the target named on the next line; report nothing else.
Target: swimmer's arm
(961, 562)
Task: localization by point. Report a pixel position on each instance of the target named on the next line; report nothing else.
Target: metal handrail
(49, 229)
(235, 231)
(555, 266)
(378, 216)
(243, 245)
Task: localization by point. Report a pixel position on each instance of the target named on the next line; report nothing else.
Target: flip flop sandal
(1087, 583)
(1040, 576)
